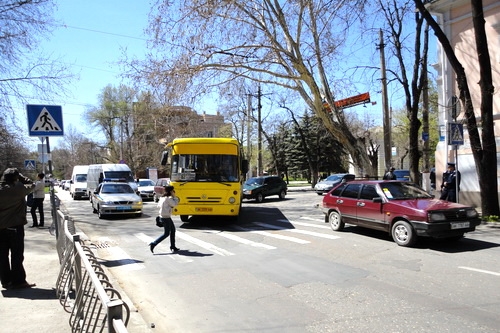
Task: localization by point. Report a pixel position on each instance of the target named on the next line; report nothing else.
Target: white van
(99, 173)
(78, 182)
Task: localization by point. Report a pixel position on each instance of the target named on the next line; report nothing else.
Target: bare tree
(483, 145)
(293, 45)
(25, 73)
(410, 70)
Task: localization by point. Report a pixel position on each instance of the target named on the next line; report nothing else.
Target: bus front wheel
(184, 218)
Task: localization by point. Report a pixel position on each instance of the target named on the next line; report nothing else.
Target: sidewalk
(36, 309)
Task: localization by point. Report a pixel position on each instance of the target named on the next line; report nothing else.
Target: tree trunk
(484, 154)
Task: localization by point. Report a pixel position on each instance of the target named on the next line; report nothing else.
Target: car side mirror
(377, 200)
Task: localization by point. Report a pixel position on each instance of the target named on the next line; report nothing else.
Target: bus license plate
(203, 209)
(460, 225)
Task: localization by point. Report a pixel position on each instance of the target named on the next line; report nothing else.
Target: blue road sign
(30, 164)
(456, 134)
(45, 120)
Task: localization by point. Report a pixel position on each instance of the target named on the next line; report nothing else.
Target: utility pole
(259, 124)
(249, 129)
(385, 105)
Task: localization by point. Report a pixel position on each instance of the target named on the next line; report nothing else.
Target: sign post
(45, 121)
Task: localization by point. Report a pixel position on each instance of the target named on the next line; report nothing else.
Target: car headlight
(247, 192)
(472, 213)
(107, 202)
(434, 217)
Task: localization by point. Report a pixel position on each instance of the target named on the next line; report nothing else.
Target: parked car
(66, 185)
(159, 188)
(146, 187)
(401, 208)
(116, 198)
(325, 185)
(402, 174)
(259, 188)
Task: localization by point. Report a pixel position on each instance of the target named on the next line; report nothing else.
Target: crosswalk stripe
(147, 239)
(240, 239)
(278, 236)
(322, 219)
(203, 244)
(305, 232)
(312, 225)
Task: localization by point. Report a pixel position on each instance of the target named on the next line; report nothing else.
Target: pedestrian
(451, 184)
(13, 189)
(167, 201)
(390, 175)
(38, 197)
(432, 178)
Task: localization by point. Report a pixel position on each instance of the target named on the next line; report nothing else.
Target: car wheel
(184, 218)
(93, 209)
(259, 197)
(319, 193)
(99, 214)
(282, 194)
(403, 234)
(335, 221)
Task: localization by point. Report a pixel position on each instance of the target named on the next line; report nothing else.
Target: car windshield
(255, 181)
(333, 178)
(116, 188)
(403, 190)
(205, 168)
(147, 182)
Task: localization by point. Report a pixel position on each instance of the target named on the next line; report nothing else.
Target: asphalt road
(282, 269)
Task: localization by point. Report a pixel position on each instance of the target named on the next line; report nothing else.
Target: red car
(400, 208)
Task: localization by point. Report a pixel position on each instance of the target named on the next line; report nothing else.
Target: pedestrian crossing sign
(30, 164)
(455, 134)
(45, 120)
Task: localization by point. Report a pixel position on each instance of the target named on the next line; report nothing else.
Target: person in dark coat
(451, 184)
(390, 175)
(13, 189)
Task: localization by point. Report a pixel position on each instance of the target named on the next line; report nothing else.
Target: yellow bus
(207, 174)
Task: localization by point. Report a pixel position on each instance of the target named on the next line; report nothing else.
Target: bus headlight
(232, 200)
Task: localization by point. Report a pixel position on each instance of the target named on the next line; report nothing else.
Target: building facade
(455, 18)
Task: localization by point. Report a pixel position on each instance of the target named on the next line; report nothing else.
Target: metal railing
(83, 288)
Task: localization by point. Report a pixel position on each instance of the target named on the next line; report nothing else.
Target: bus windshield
(204, 168)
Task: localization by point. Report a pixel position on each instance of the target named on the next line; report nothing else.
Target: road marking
(178, 258)
(299, 231)
(239, 239)
(322, 219)
(205, 245)
(125, 262)
(320, 226)
(278, 236)
(479, 270)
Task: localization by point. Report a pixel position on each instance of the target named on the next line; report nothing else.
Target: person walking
(390, 175)
(38, 197)
(13, 189)
(166, 203)
(451, 184)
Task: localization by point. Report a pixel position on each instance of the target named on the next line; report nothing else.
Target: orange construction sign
(353, 101)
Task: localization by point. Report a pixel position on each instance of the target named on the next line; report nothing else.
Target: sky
(90, 39)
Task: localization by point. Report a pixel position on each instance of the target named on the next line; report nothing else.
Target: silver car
(116, 198)
(325, 185)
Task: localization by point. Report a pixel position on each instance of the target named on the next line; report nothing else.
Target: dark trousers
(12, 241)
(169, 229)
(37, 203)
